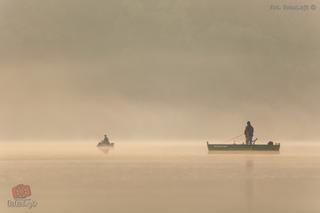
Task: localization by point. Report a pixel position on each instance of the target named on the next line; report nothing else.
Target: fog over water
(160, 78)
(160, 177)
(159, 70)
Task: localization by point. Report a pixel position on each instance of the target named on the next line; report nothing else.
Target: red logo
(21, 191)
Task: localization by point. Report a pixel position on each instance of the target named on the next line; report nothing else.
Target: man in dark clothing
(248, 132)
(106, 140)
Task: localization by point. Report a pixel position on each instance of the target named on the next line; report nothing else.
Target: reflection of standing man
(248, 132)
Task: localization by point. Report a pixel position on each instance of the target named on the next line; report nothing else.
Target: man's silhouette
(248, 132)
(106, 139)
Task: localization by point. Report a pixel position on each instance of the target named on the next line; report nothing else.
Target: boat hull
(105, 144)
(243, 147)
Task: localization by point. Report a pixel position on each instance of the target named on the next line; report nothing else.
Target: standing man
(248, 132)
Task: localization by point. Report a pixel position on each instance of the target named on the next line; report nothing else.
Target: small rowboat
(244, 147)
(102, 144)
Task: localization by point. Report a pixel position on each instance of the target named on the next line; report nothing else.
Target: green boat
(270, 146)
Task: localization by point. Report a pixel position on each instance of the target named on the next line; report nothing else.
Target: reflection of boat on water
(105, 145)
(105, 148)
(244, 147)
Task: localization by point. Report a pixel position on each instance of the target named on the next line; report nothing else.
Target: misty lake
(160, 177)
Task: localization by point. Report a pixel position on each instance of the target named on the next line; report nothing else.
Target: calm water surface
(160, 177)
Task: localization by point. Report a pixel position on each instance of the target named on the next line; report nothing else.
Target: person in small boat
(106, 140)
(248, 132)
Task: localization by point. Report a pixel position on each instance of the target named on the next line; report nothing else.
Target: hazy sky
(147, 69)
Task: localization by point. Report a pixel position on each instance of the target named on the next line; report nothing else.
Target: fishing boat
(270, 146)
(103, 144)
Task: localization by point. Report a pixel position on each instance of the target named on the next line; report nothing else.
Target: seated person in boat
(248, 132)
(105, 140)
